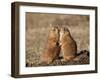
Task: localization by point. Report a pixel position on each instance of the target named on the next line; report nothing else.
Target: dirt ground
(37, 28)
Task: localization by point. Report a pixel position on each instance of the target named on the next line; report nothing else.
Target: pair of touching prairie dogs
(59, 40)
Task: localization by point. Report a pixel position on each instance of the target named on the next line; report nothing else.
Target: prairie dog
(68, 45)
(52, 49)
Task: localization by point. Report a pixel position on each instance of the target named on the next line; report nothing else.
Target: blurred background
(37, 29)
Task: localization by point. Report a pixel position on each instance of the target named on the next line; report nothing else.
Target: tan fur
(68, 45)
(52, 49)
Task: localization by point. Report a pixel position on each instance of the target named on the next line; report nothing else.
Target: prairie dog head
(54, 32)
(63, 32)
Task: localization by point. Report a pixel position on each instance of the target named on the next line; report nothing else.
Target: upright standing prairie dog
(68, 45)
(52, 49)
